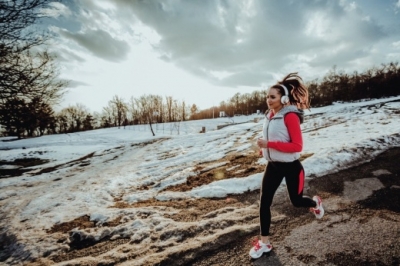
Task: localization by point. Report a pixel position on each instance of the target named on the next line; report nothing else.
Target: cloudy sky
(204, 51)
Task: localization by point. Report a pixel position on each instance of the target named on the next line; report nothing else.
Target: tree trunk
(151, 127)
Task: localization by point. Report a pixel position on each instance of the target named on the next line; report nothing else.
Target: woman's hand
(262, 143)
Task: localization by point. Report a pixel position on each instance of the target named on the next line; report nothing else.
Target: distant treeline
(22, 117)
(376, 82)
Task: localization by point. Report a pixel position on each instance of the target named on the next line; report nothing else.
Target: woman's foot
(259, 248)
(318, 210)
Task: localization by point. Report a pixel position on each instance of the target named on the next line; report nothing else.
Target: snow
(94, 168)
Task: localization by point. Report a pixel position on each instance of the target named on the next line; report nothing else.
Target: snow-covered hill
(112, 176)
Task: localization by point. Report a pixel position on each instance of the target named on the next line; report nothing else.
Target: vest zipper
(269, 155)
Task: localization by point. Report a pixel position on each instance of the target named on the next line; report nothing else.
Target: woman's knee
(265, 201)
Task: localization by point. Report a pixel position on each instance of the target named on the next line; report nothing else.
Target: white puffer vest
(274, 129)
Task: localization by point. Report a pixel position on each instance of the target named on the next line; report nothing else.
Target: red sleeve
(292, 122)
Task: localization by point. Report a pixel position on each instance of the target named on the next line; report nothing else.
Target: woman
(281, 145)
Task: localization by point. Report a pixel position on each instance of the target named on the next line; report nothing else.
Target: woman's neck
(276, 110)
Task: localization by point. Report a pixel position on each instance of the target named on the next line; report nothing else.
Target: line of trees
(238, 104)
(147, 109)
(377, 82)
(35, 117)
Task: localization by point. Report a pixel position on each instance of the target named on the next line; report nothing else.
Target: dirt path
(361, 225)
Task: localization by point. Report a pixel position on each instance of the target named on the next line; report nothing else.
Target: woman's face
(274, 99)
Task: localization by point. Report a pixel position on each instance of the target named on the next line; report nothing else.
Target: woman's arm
(292, 123)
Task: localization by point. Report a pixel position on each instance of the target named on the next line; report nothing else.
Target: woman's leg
(294, 177)
(273, 177)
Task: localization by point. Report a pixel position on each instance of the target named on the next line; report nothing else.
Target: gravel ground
(361, 225)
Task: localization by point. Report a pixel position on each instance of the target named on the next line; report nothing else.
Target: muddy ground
(361, 225)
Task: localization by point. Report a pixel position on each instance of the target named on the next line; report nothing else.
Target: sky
(126, 160)
(204, 52)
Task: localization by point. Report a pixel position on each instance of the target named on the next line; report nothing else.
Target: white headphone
(284, 98)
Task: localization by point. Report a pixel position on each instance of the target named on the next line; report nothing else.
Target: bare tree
(169, 103)
(158, 108)
(183, 111)
(176, 114)
(133, 112)
(73, 118)
(245, 103)
(148, 107)
(235, 101)
(120, 109)
(107, 116)
(194, 109)
(24, 73)
(28, 74)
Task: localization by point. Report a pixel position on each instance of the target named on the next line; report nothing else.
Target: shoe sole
(268, 253)
(322, 211)
(265, 252)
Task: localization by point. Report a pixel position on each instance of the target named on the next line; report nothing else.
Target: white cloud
(211, 37)
(100, 43)
(225, 44)
(55, 10)
(348, 6)
(319, 26)
(396, 45)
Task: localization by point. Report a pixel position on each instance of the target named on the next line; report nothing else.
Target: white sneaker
(318, 210)
(259, 249)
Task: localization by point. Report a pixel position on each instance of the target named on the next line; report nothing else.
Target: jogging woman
(281, 145)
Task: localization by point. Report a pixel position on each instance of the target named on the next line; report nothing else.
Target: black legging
(273, 176)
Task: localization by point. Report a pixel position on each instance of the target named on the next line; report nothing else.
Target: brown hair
(298, 91)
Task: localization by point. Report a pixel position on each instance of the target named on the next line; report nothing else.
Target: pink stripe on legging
(301, 182)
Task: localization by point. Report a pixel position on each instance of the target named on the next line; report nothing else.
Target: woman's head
(292, 91)
(275, 99)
